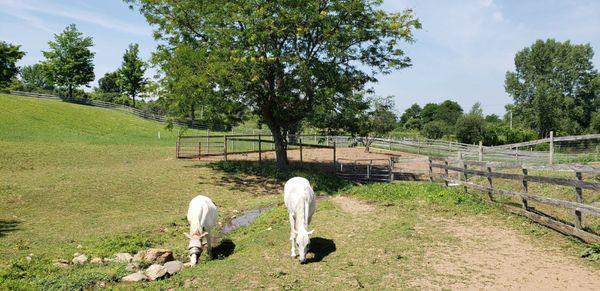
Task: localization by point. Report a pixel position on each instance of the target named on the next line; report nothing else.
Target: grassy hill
(51, 121)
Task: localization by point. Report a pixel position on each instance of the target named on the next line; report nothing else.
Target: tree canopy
(35, 77)
(285, 58)
(9, 56)
(70, 61)
(554, 86)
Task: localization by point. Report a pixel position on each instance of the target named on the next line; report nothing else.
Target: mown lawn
(72, 175)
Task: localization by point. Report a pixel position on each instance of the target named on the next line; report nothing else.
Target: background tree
(9, 56)
(471, 127)
(429, 113)
(281, 58)
(70, 61)
(435, 129)
(109, 90)
(553, 86)
(449, 112)
(35, 78)
(131, 74)
(411, 118)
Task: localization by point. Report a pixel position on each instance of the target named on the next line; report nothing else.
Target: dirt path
(476, 253)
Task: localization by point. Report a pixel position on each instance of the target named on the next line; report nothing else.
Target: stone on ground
(123, 257)
(132, 267)
(60, 263)
(96, 260)
(154, 256)
(80, 260)
(156, 272)
(173, 267)
(135, 277)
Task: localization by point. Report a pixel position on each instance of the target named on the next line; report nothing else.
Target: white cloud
(24, 9)
(497, 16)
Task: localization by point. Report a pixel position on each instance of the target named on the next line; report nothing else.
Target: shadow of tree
(224, 249)
(321, 248)
(8, 226)
(321, 179)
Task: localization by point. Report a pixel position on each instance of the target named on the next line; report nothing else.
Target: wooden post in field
(446, 173)
(551, 152)
(177, 148)
(391, 167)
(334, 158)
(225, 147)
(259, 148)
(489, 178)
(465, 166)
(481, 151)
(525, 190)
(199, 149)
(579, 199)
(301, 160)
(430, 171)
(207, 142)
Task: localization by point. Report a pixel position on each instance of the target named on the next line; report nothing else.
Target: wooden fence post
(430, 171)
(225, 147)
(207, 142)
(579, 198)
(259, 148)
(177, 148)
(334, 158)
(369, 170)
(446, 172)
(391, 167)
(481, 151)
(489, 178)
(199, 149)
(465, 175)
(525, 190)
(301, 161)
(551, 152)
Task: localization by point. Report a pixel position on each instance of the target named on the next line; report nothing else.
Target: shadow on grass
(319, 174)
(321, 248)
(8, 226)
(223, 250)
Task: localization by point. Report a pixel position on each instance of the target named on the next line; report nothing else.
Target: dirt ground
(481, 254)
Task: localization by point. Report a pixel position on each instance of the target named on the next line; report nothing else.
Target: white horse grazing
(202, 216)
(300, 201)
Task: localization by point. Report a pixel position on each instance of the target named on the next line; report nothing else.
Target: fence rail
(578, 184)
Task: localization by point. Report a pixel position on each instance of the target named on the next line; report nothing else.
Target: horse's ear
(187, 235)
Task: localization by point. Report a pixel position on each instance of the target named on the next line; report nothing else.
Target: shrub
(435, 129)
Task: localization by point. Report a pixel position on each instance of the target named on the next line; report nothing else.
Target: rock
(123, 257)
(79, 246)
(60, 263)
(80, 260)
(132, 267)
(76, 254)
(173, 267)
(156, 272)
(28, 258)
(135, 277)
(96, 260)
(154, 256)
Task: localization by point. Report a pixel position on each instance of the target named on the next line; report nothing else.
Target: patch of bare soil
(351, 205)
(483, 256)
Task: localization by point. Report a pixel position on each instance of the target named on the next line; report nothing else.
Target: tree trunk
(193, 113)
(133, 97)
(280, 147)
(70, 91)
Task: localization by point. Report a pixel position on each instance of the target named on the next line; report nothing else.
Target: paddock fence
(550, 195)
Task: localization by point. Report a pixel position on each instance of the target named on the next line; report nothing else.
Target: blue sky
(462, 53)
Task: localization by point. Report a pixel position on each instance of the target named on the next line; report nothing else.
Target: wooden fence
(490, 172)
(366, 170)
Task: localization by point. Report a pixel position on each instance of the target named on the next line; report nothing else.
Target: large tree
(131, 74)
(411, 118)
(35, 77)
(554, 86)
(70, 60)
(281, 58)
(9, 56)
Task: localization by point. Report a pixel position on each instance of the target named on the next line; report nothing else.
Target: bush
(470, 128)
(435, 129)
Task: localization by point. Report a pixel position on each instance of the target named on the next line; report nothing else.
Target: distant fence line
(109, 105)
